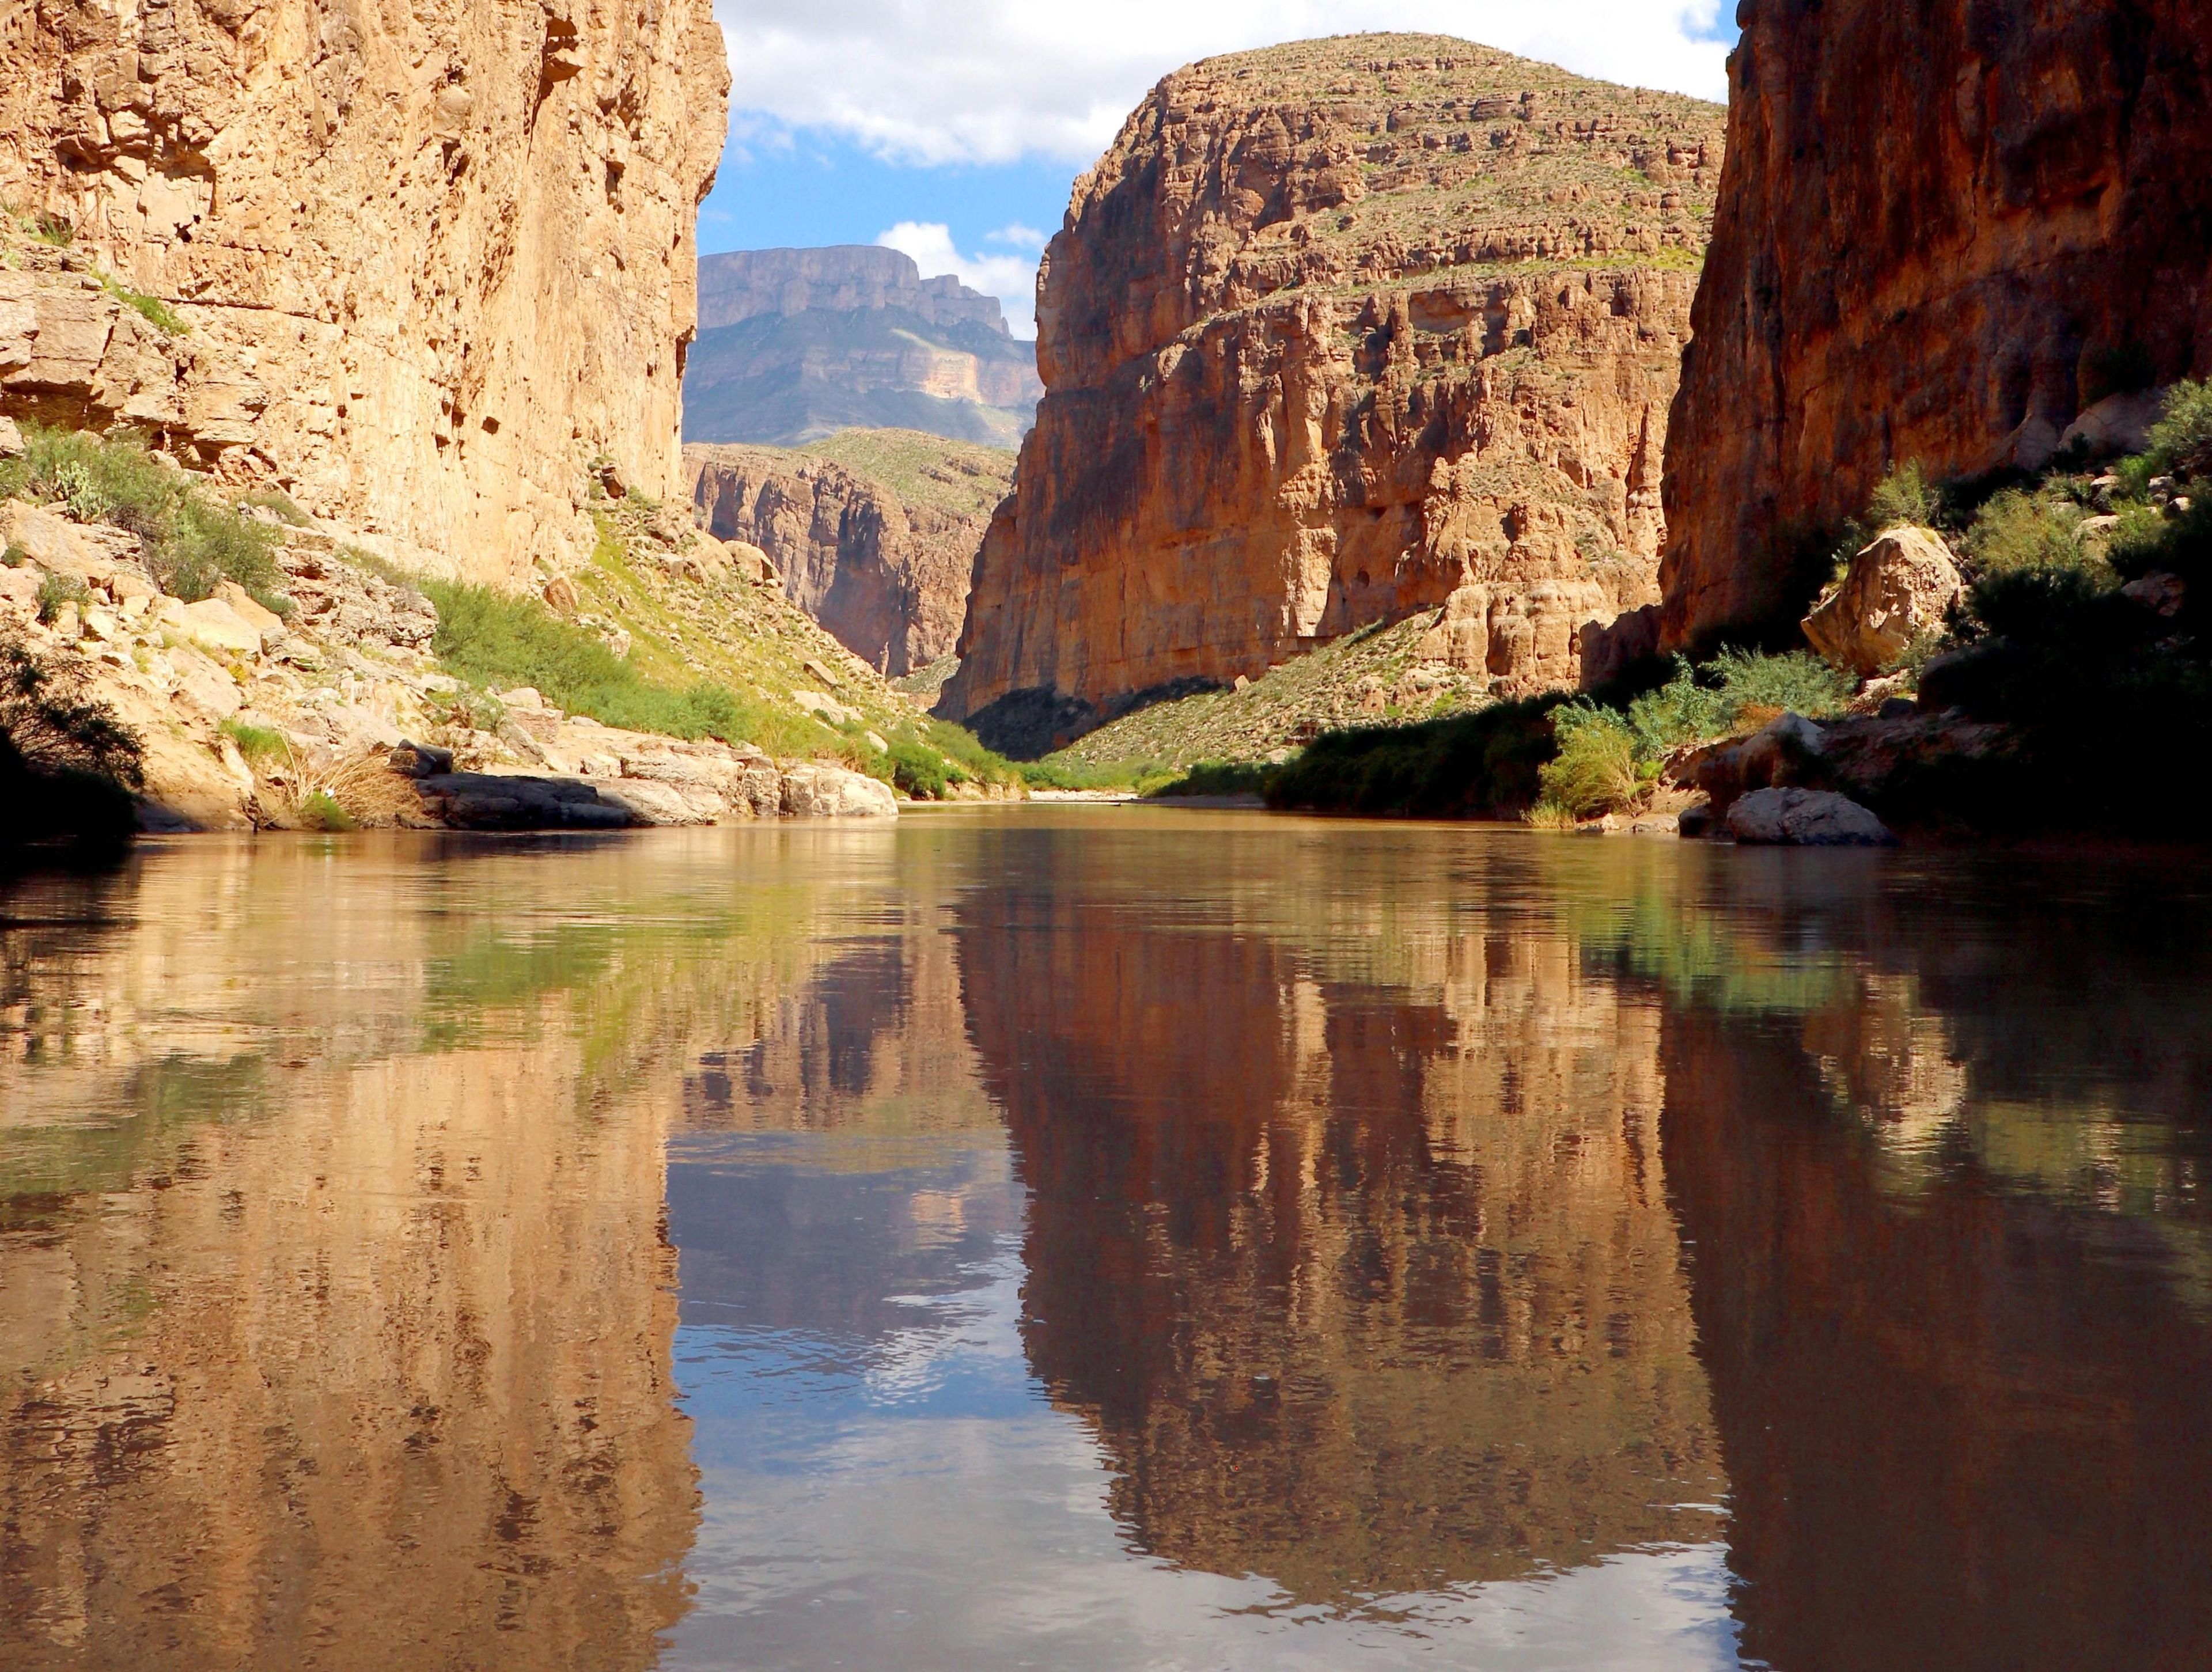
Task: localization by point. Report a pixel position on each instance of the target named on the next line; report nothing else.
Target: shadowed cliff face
(1365, 1285)
(434, 259)
(1943, 231)
(1339, 331)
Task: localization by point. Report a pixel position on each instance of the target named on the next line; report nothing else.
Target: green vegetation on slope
(193, 540)
(959, 479)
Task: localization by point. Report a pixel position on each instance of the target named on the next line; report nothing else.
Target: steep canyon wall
(1942, 232)
(876, 541)
(1335, 332)
(432, 261)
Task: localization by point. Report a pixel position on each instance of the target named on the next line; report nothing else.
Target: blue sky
(954, 129)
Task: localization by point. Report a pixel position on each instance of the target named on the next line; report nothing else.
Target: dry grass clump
(297, 789)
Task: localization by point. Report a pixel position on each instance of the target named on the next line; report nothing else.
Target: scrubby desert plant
(1904, 496)
(67, 764)
(2017, 530)
(1596, 770)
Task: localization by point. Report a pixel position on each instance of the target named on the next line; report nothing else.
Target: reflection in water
(1368, 1286)
(1104, 1239)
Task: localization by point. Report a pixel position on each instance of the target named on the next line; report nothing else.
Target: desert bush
(1485, 762)
(1596, 771)
(1699, 705)
(55, 592)
(2019, 530)
(1903, 496)
(257, 745)
(1217, 778)
(192, 544)
(920, 772)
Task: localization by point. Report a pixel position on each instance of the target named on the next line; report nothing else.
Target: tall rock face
(798, 344)
(1335, 332)
(874, 533)
(1942, 232)
(432, 260)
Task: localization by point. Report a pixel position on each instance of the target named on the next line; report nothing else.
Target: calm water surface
(1105, 1238)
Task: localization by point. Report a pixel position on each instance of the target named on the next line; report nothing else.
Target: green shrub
(260, 744)
(2018, 530)
(499, 639)
(1218, 778)
(56, 591)
(2183, 437)
(1485, 762)
(1904, 496)
(1699, 705)
(321, 812)
(152, 309)
(1595, 771)
(192, 545)
(49, 722)
(15, 556)
(920, 772)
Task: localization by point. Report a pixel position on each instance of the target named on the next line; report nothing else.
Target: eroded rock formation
(883, 564)
(1335, 332)
(1942, 233)
(432, 261)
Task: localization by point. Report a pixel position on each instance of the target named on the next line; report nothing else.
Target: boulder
(1805, 818)
(501, 801)
(1899, 587)
(1776, 754)
(420, 760)
(2159, 592)
(11, 439)
(214, 625)
(2116, 425)
(816, 791)
(243, 604)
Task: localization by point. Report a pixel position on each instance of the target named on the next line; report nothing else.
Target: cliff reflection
(1948, 1229)
(335, 1298)
(1362, 1275)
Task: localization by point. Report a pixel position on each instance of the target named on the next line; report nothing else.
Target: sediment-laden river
(1105, 1238)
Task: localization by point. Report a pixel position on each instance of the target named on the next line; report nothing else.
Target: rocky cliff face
(798, 344)
(431, 261)
(840, 278)
(874, 534)
(1337, 332)
(1941, 233)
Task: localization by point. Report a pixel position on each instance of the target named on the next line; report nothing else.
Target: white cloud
(1010, 278)
(988, 80)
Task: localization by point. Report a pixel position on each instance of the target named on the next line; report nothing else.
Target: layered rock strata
(883, 566)
(1942, 233)
(797, 344)
(1335, 332)
(430, 261)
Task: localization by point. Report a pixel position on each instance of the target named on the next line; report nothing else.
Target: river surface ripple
(1104, 1238)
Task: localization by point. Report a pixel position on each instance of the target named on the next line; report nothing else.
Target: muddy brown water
(1104, 1237)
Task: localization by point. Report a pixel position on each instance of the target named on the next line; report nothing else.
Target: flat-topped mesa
(1944, 232)
(838, 278)
(434, 261)
(1335, 332)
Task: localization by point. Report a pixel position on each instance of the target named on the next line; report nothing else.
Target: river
(1105, 1238)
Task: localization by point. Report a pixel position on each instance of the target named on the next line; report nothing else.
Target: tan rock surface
(874, 535)
(431, 260)
(1336, 331)
(1943, 232)
(1901, 586)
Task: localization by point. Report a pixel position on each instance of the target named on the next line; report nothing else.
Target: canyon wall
(798, 344)
(430, 262)
(876, 541)
(1942, 232)
(1335, 332)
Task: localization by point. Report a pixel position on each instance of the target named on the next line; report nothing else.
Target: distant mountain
(798, 344)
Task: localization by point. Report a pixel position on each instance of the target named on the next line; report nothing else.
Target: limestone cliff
(1942, 232)
(431, 260)
(874, 533)
(1337, 332)
(797, 344)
